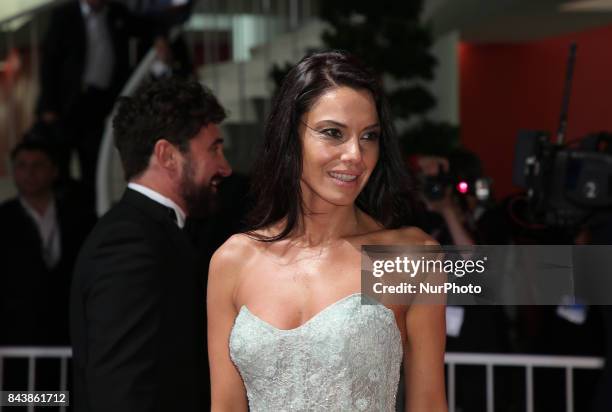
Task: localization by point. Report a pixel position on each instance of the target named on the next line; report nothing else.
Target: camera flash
(462, 187)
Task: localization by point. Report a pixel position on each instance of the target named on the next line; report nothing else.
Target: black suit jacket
(64, 54)
(138, 315)
(33, 298)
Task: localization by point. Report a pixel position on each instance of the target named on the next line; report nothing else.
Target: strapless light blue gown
(346, 358)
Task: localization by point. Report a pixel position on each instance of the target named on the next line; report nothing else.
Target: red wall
(508, 87)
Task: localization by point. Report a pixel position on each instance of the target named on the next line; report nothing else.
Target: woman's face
(340, 145)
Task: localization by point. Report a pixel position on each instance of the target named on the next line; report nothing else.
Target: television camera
(566, 184)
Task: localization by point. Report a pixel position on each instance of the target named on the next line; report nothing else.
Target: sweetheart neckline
(311, 319)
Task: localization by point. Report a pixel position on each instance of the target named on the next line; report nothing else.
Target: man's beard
(200, 200)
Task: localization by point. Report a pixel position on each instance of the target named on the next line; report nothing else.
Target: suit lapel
(78, 23)
(115, 22)
(30, 230)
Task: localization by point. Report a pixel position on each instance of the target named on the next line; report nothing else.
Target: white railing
(488, 360)
(529, 362)
(32, 354)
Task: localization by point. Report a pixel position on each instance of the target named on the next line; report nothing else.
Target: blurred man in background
(85, 63)
(41, 235)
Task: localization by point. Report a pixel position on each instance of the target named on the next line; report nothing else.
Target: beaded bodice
(345, 358)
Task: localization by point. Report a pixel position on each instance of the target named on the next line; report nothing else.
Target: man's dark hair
(170, 109)
(33, 143)
(388, 195)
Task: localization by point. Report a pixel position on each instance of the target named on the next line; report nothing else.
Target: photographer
(459, 200)
(452, 230)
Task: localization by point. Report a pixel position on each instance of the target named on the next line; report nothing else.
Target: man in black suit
(41, 235)
(138, 319)
(84, 65)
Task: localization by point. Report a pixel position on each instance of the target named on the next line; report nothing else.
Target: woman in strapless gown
(288, 329)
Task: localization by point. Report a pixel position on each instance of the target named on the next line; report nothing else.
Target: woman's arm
(227, 389)
(425, 343)
(424, 358)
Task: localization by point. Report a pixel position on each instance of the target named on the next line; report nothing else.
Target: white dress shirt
(48, 230)
(159, 198)
(100, 57)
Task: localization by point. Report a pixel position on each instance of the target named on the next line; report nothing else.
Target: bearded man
(138, 318)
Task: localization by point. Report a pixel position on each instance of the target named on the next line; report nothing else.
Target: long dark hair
(276, 187)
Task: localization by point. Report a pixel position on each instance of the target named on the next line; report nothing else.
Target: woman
(286, 327)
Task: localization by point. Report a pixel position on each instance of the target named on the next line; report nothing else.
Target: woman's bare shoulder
(403, 236)
(234, 253)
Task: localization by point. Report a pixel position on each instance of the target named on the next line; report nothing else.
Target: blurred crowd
(89, 50)
(460, 209)
(86, 61)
